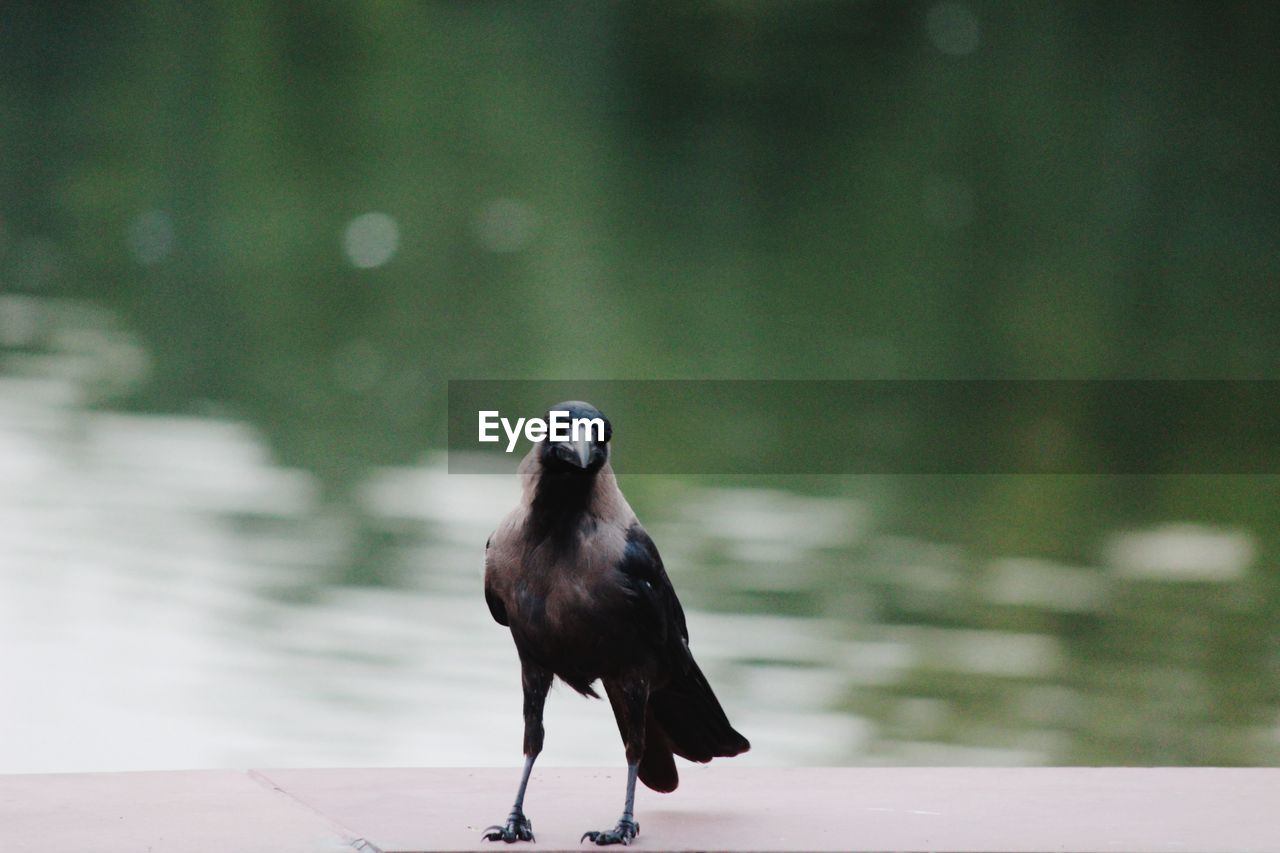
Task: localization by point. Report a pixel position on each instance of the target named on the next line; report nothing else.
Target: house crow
(581, 586)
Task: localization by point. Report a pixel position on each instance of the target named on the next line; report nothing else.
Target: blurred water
(294, 229)
(171, 598)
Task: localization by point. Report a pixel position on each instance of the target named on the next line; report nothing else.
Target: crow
(581, 586)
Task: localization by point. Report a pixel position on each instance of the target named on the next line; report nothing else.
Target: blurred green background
(243, 247)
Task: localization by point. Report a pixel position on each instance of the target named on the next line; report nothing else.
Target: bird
(581, 586)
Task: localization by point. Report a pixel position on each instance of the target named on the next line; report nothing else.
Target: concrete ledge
(716, 807)
(200, 811)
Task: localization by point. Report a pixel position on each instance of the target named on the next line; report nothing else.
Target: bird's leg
(537, 682)
(629, 705)
(518, 827)
(627, 827)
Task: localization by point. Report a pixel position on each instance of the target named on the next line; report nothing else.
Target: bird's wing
(496, 608)
(657, 607)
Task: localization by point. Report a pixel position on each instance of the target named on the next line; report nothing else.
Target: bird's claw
(620, 834)
(518, 828)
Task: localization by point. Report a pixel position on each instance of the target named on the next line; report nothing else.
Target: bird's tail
(686, 719)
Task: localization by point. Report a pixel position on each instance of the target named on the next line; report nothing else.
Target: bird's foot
(518, 828)
(626, 830)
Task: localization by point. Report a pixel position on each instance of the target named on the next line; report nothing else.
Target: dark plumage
(581, 586)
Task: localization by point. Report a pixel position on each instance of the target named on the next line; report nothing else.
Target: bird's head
(577, 438)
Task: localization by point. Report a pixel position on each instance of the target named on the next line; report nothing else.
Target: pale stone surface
(722, 807)
(716, 807)
(198, 811)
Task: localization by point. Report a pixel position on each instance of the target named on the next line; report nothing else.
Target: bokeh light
(505, 225)
(953, 29)
(152, 237)
(371, 240)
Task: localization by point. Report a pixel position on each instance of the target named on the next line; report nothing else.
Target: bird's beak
(581, 451)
